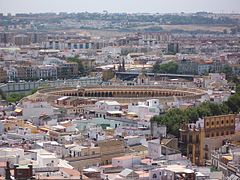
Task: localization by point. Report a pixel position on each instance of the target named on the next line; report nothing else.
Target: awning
(114, 112)
(44, 129)
(62, 98)
(18, 110)
(132, 113)
(229, 158)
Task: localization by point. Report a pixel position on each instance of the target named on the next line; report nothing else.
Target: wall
(36, 109)
(126, 162)
(158, 130)
(216, 142)
(28, 86)
(154, 149)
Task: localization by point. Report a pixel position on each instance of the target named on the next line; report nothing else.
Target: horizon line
(123, 12)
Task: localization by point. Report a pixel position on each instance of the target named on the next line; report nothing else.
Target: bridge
(132, 75)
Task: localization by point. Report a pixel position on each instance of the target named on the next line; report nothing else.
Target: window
(197, 139)
(190, 139)
(206, 155)
(206, 147)
(154, 176)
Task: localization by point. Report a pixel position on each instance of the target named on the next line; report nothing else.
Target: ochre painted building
(197, 140)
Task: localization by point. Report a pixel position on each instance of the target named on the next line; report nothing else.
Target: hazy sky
(152, 6)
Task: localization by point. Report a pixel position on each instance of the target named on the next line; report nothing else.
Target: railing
(46, 169)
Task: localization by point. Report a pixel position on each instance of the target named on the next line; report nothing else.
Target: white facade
(129, 59)
(108, 105)
(46, 159)
(36, 108)
(126, 161)
(12, 155)
(158, 130)
(69, 126)
(132, 140)
(52, 122)
(58, 149)
(132, 131)
(52, 61)
(215, 80)
(12, 152)
(113, 51)
(96, 132)
(26, 136)
(160, 173)
(46, 71)
(1, 128)
(154, 149)
(61, 44)
(23, 131)
(169, 172)
(146, 110)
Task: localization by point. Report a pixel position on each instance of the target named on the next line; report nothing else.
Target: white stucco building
(126, 161)
(154, 149)
(146, 110)
(47, 159)
(108, 105)
(36, 109)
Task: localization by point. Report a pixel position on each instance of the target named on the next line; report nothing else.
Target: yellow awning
(18, 110)
(131, 113)
(229, 158)
(44, 129)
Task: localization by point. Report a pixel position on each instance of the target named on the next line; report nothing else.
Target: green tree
(227, 70)
(234, 103)
(156, 67)
(170, 67)
(34, 91)
(76, 59)
(192, 114)
(15, 97)
(238, 88)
